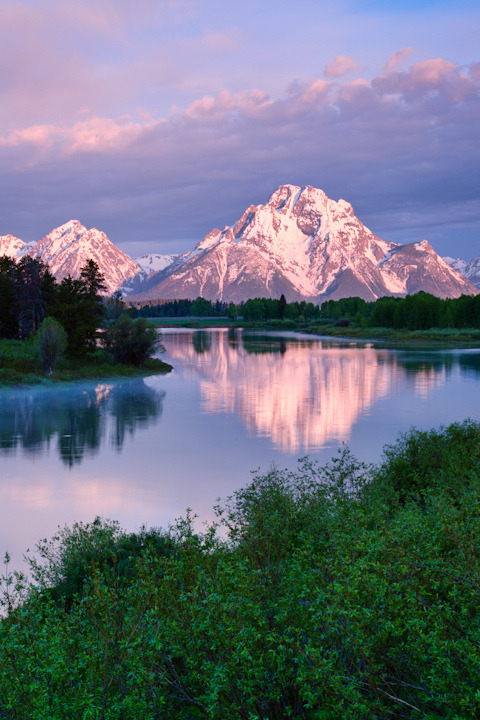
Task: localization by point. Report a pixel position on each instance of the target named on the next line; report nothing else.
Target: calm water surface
(142, 451)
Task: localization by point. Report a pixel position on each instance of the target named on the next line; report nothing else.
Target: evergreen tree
(8, 318)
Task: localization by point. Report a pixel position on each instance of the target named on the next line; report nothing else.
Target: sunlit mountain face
(300, 394)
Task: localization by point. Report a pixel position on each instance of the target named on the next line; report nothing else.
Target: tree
(131, 341)
(8, 318)
(79, 307)
(51, 342)
(115, 305)
(33, 287)
(282, 306)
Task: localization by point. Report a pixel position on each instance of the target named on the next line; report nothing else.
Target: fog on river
(141, 451)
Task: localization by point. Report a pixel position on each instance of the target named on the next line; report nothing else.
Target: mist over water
(141, 451)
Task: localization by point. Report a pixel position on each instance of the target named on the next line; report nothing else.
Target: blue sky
(158, 120)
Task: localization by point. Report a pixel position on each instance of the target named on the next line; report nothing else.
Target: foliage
(425, 462)
(131, 341)
(326, 599)
(29, 292)
(115, 306)
(420, 311)
(51, 341)
(78, 306)
(184, 308)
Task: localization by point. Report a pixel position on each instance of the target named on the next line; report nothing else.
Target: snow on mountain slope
(68, 247)
(147, 264)
(153, 262)
(307, 246)
(11, 246)
(470, 270)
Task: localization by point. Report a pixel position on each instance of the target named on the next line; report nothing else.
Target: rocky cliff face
(67, 249)
(307, 246)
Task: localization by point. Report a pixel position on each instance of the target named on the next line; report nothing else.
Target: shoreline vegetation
(20, 365)
(342, 590)
(419, 319)
(56, 332)
(466, 337)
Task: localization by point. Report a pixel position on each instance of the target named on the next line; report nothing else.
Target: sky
(158, 120)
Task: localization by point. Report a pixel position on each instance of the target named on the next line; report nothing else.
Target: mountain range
(300, 243)
(470, 270)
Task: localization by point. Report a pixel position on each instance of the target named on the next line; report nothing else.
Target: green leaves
(328, 598)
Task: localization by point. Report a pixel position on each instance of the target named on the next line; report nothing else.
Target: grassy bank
(338, 592)
(467, 337)
(20, 364)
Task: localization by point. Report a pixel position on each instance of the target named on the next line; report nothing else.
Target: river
(141, 451)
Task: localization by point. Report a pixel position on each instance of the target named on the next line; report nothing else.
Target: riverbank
(20, 364)
(467, 337)
(461, 338)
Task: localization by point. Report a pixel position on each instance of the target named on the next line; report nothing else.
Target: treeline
(29, 293)
(325, 592)
(271, 309)
(250, 310)
(183, 308)
(413, 312)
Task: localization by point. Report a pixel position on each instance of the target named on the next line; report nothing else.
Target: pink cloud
(41, 135)
(397, 58)
(103, 134)
(427, 75)
(340, 65)
(315, 91)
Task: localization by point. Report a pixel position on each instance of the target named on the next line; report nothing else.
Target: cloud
(341, 65)
(403, 145)
(398, 57)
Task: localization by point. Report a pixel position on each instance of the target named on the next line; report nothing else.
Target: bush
(425, 461)
(323, 602)
(51, 343)
(131, 342)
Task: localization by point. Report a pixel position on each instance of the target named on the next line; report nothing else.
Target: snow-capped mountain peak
(12, 246)
(307, 246)
(67, 248)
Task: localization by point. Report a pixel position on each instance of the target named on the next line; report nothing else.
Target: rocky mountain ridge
(309, 247)
(67, 248)
(470, 270)
(300, 243)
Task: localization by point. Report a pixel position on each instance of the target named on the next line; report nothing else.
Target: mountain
(67, 248)
(12, 246)
(147, 264)
(307, 246)
(470, 270)
(153, 263)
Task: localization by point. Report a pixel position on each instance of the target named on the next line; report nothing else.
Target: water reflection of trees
(80, 418)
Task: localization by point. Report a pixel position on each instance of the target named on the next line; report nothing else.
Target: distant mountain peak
(67, 248)
(307, 246)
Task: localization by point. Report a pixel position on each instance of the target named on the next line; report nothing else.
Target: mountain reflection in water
(303, 393)
(78, 418)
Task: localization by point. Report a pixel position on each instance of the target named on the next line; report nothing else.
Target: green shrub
(325, 600)
(426, 461)
(51, 341)
(130, 341)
